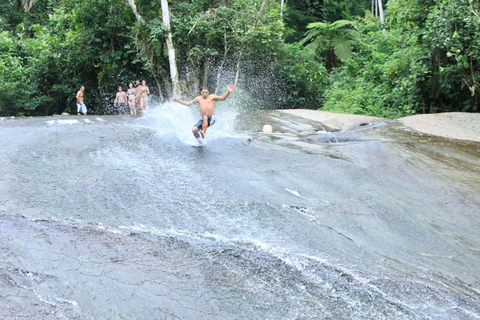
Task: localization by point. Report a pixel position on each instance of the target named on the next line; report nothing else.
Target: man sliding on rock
(205, 100)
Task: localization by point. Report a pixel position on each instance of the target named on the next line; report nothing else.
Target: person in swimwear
(81, 108)
(205, 100)
(121, 101)
(131, 99)
(138, 95)
(144, 95)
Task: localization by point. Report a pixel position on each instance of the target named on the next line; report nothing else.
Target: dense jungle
(390, 59)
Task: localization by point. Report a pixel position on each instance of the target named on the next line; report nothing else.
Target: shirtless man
(121, 101)
(138, 95)
(81, 108)
(205, 101)
(144, 95)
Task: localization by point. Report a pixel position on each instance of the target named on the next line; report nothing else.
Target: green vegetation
(333, 55)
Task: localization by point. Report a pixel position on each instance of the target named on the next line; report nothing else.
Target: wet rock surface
(120, 218)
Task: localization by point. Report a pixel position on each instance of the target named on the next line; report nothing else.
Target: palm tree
(332, 37)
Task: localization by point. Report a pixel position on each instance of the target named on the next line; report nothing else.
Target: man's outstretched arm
(185, 103)
(221, 98)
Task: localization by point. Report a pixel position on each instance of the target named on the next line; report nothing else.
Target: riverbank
(452, 125)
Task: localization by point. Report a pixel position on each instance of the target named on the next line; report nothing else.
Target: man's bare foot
(202, 133)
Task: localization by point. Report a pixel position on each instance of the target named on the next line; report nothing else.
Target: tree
(333, 38)
(27, 4)
(171, 49)
(132, 5)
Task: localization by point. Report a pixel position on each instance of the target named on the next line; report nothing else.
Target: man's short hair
(205, 88)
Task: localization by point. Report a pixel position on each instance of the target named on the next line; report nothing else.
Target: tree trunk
(193, 78)
(282, 4)
(475, 12)
(171, 49)
(159, 88)
(380, 11)
(205, 73)
(238, 67)
(132, 5)
(27, 4)
(220, 69)
(219, 72)
(168, 86)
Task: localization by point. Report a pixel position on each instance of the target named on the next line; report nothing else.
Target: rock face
(453, 125)
(336, 121)
(111, 217)
(267, 128)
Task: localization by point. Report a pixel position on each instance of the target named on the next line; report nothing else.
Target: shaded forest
(389, 59)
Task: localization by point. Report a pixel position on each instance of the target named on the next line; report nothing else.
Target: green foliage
(452, 35)
(330, 37)
(44, 64)
(425, 63)
(12, 74)
(381, 79)
(300, 13)
(303, 78)
(317, 54)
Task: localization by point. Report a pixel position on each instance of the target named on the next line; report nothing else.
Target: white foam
(295, 193)
(67, 121)
(73, 303)
(87, 120)
(280, 253)
(178, 120)
(297, 260)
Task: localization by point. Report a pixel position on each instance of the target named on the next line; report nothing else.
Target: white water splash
(295, 193)
(178, 120)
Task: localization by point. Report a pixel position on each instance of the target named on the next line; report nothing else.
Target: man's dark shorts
(121, 107)
(211, 122)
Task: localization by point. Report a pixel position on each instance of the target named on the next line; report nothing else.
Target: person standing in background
(81, 108)
(120, 102)
(144, 93)
(131, 99)
(138, 95)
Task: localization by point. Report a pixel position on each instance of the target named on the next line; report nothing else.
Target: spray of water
(173, 120)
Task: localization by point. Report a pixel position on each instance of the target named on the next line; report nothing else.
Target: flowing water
(112, 217)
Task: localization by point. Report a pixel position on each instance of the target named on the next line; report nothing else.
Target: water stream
(112, 217)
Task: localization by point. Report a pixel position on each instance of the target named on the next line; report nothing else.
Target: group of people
(138, 98)
(133, 99)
